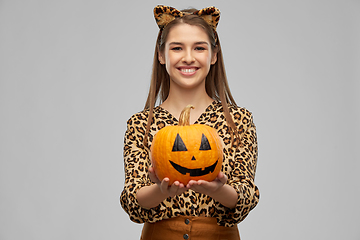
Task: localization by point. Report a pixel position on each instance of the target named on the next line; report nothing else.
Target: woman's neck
(179, 99)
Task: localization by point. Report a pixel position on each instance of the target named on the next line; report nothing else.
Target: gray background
(73, 71)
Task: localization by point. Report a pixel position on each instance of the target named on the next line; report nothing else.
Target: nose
(188, 57)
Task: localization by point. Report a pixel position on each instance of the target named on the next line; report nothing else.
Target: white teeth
(188, 70)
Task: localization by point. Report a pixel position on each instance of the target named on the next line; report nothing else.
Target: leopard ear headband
(165, 14)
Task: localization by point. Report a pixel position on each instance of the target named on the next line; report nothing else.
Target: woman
(188, 69)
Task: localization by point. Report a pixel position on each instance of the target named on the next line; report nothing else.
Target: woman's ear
(214, 56)
(161, 58)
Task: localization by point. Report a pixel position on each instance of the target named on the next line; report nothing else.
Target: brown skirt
(191, 228)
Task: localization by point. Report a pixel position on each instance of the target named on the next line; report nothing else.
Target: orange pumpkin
(187, 152)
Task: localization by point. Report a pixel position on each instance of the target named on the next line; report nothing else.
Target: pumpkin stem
(184, 119)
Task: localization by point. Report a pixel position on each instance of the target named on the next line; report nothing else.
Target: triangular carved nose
(193, 158)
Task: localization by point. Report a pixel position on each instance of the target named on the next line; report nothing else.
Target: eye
(205, 145)
(200, 48)
(176, 48)
(179, 145)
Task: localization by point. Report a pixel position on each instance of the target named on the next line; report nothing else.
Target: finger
(174, 188)
(201, 182)
(153, 176)
(222, 177)
(164, 185)
(182, 188)
(202, 186)
(190, 184)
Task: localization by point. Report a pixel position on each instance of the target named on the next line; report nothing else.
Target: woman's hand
(176, 188)
(217, 189)
(151, 196)
(208, 188)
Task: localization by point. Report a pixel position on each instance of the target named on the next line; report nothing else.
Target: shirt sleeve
(242, 174)
(136, 164)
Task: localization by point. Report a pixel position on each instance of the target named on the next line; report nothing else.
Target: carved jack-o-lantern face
(179, 146)
(182, 153)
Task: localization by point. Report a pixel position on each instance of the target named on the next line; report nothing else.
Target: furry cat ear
(211, 15)
(165, 14)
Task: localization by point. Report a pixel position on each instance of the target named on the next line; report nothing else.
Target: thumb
(153, 176)
(222, 177)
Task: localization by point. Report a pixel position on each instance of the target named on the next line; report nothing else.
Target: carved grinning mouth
(194, 172)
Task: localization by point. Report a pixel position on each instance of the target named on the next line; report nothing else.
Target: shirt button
(186, 236)
(187, 221)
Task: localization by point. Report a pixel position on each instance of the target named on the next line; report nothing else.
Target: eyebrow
(179, 43)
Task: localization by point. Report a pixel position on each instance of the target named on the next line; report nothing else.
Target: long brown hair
(216, 83)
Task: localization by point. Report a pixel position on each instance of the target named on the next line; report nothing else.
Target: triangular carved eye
(179, 145)
(205, 145)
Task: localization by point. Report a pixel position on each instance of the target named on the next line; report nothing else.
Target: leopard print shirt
(239, 164)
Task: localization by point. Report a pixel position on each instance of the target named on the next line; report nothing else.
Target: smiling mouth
(194, 172)
(188, 70)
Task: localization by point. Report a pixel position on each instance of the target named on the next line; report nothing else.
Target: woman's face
(187, 56)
